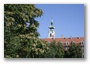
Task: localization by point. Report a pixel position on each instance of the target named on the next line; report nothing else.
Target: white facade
(51, 32)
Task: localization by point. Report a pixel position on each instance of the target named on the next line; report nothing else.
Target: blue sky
(68, 19)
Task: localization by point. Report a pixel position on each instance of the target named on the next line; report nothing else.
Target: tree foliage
(22, 41)
(55, 50)
(74, 51)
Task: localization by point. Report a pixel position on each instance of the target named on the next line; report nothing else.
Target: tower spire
(51, 30)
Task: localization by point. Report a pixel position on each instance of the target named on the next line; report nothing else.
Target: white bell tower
(51, 32)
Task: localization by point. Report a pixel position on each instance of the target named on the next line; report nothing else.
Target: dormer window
(69, 38)
(82, 42)
(67, 43)
(78, 37)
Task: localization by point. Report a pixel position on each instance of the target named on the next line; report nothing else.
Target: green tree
(79, 51)
(21, 40)
(66, 54)
(74, 51)
(52, 49)
(59, 50)
(55, 50)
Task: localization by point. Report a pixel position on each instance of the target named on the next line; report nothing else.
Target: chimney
(78, 37)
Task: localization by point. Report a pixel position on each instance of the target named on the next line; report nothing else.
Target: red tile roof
(77, 40)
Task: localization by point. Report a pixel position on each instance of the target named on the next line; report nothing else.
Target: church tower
(51, 32)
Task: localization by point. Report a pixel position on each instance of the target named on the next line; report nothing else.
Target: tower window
(50, 35)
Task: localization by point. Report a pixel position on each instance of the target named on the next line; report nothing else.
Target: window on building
(67, 43)
(83, 50)
(82, 42)
(66, 47)
(50, 35)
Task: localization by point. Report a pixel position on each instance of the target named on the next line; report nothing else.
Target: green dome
(51, 25)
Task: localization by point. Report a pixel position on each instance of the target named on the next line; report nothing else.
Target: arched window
(67, 43)
(50, 35)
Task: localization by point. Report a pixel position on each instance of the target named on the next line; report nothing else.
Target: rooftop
(77, 40)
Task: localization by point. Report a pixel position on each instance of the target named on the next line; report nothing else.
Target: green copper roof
(51, 25)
